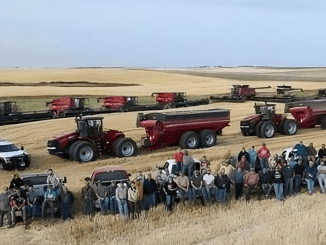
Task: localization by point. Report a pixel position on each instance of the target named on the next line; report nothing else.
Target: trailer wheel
(267, 129)
(189, 140)
(257, 129)
(207, 138)
(124, 147)
(290, 127)
(323, 122)
(85, 152)
(72, 150)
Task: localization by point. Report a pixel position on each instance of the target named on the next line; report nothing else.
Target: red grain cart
(189, 130)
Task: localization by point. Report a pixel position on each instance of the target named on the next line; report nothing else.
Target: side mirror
(22, 148)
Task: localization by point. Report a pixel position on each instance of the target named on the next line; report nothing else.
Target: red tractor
(239, 93)
(89, 140)
(265, 123)
(67, 106)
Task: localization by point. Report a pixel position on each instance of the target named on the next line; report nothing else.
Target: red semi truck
(190, 130)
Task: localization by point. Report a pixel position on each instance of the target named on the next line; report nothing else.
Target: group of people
(28, 202)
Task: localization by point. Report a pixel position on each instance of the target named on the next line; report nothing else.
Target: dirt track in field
(33, 136)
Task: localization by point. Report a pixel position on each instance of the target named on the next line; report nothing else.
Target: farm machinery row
(70, 107)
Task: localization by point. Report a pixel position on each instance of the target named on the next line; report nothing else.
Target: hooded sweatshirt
(263, 152)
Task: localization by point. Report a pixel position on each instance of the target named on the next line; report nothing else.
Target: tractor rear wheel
(207, 138)
(267, 129)
(124, 147)
(323, 122)
(290, 127)
(257, 129)
(189, 140)
(85, 152)
(72, 150)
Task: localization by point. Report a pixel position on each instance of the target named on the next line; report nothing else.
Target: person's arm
(187, 184)
(164, 190)
(192, 184)
(116, 195)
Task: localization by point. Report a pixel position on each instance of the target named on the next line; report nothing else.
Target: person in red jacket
(178, 157)
(243, 164)
(263, 154)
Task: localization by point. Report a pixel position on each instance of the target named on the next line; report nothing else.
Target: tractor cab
(80, 103)
(235, 90)
(89, 126)
(265, 109)
(7, 108)
(132, 100)
(170, 97)
(322, 93)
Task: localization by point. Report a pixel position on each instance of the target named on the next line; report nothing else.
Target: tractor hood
(252, 118)
(69, 135)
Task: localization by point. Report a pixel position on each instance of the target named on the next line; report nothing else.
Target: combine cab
(90, 140)
(67, 106)
(265, 123)
(176, 100)
(239, 93)
(286, 90)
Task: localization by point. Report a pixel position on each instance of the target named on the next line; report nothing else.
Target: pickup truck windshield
(8, 148)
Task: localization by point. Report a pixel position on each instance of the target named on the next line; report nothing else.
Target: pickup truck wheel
(207, 138)
(124, 147)
(72, 150)
(290, 127)
(323, 122)
(85, 152)
(267, 129)
(189, 140)
(257, 129)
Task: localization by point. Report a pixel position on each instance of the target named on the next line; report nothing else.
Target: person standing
(159, 189)
(292, 162)
(311, 151)
(298, 171)
(243, 164)
(88, 196)
(263, 153)
(178, 157)
(302, 152)
(210, 187)
(140, 188)
(150, 191)
(238, 183)
(222, 183)
(101, 194)
(278, 184)
(66, 201)
(32, 201)
(16, 182)
(322, 176)
(322, 152)
(242, 153)
(133, 200)
(121, 193)
(52, 179)
(289, 175)
(183, 183)
(252, 156)
(188, 164)
(198, 188)
(170, 190)
(310, 176)
(5, 207)
(204, 165)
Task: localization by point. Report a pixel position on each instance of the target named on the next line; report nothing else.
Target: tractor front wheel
(267, 129)
(124, 147)
(85, 152)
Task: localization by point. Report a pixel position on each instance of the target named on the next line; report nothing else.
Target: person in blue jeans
(121, 194)
(32, 201)
(253, 156)
(310, 176)
(188, 164)
(289, 177)
(170, 190)
(150, 190)
(198, 189)
(278, 184)
(222, 183)
(302, 151)
(298, 171)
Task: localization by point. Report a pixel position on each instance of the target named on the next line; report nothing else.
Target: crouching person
(198, 189)
(17, 203)
(5, 207)
(121, 194)
(250, 182)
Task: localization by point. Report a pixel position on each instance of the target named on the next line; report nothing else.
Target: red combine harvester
(125, 104)
(177, 99)
(189, 130)
(89, 140)
(67, 106)
(239, 93)
(265, 123)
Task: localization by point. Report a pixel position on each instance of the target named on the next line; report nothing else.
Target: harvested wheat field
(296, 221)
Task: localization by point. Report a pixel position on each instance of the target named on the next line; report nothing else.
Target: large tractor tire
(72, 150)
(257, 129)
(124, 147)
(85, 152)
(290, 127)
(323, 122)
(207, 138)
(267, 129)
(189, 140)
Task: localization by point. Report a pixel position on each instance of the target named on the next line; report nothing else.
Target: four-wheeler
(265, 123)
(11, 156)
(239, 93)
(67, 106)
(10, 113)
(89, 140)
(177, 99)
(188, 129)
(126, 103)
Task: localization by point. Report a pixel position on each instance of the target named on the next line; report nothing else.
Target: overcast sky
(157, 33)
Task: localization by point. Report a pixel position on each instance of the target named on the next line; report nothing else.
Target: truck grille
(16, 160)
(52, 143)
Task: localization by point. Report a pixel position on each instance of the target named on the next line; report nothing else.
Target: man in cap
(208, 180)
(198, 188)
(183, 183)
(188, 164)
(88, 196)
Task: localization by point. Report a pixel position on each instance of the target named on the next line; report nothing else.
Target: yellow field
(297, 221)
